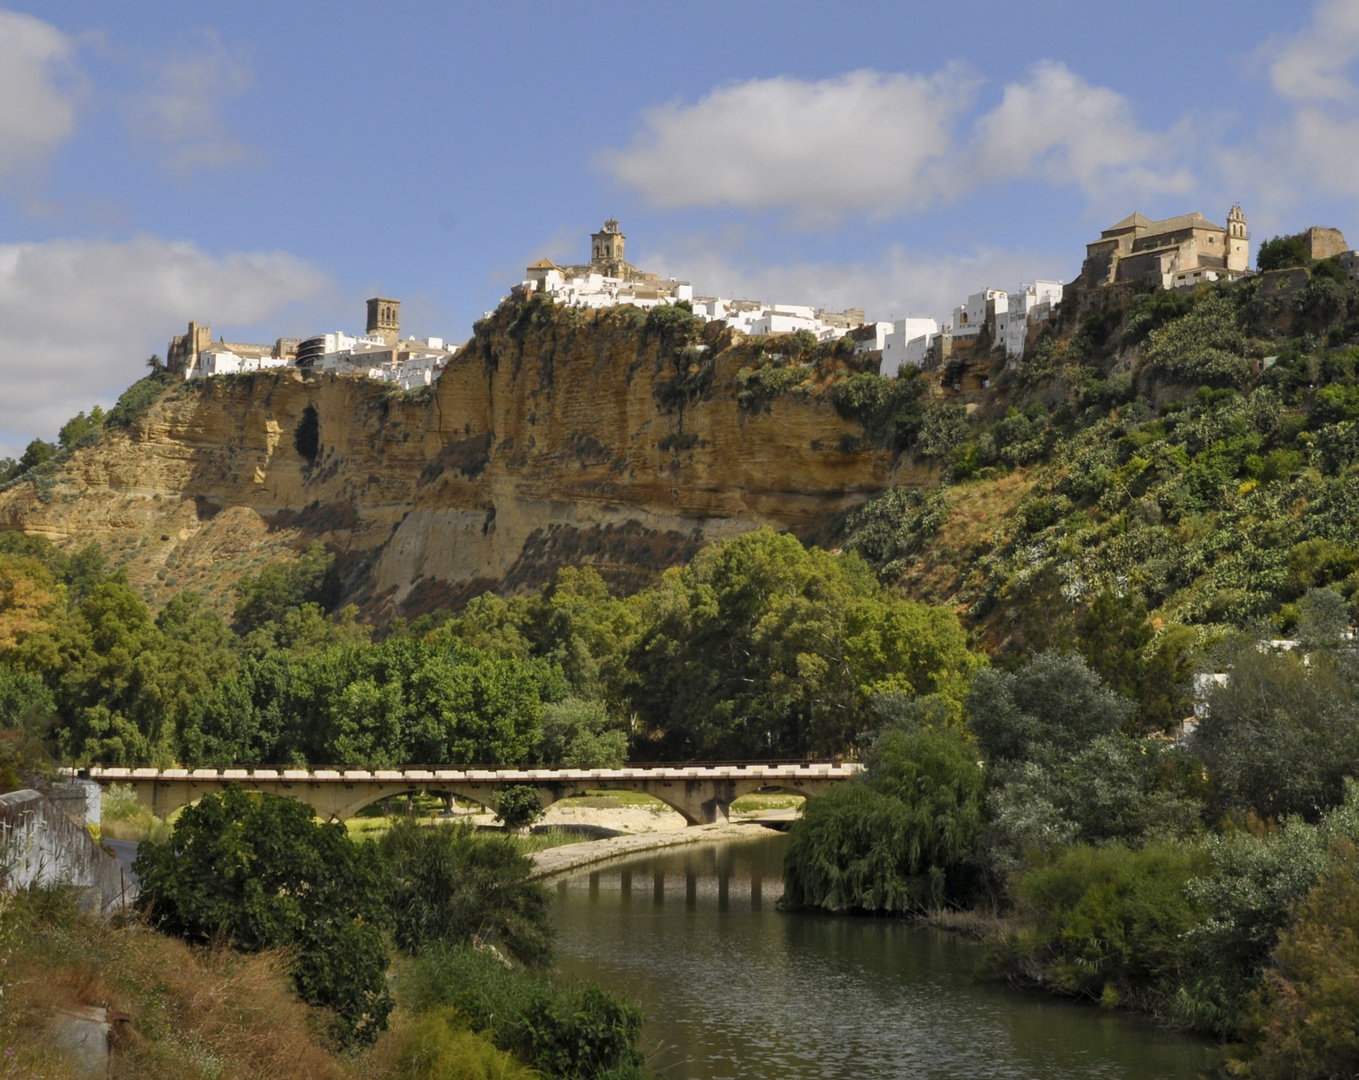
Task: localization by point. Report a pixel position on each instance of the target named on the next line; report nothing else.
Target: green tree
(453, 886)
(581, 735)
(518, 806)
(261, 872)
(761, 647)
(1053, 705)
(1118, 642)
(79, 426)
(1305, 1021)
(1281, 736)
(898, 840)
(1281, 252)
(267, 597)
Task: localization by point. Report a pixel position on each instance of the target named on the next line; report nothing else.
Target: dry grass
(982, 925)
(209, 1013)
(977, 511)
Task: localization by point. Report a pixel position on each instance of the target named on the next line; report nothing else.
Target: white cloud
(864, 141)
(1314, 147)
(1059, 126)
(891, 284)
(81, 318)
(1313, 66)
(39, 88)
(878, 143)
(181, 110)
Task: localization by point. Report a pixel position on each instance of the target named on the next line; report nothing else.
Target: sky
(265, 167)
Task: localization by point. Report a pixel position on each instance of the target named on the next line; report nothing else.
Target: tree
(452, 886)
(261, 872)
(155, 363)
(1115, 637)
(279, 588)
(1283, 733)
(761, 647)
(581, 735)
(1305, 1021)
(899, 839)
(79, 426)
(518, 805)
(1281, 252)
(1053, 705)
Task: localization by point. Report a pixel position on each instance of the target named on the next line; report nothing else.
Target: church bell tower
(606, 250)
(1238, 240)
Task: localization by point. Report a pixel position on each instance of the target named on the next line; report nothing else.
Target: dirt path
(569, 857)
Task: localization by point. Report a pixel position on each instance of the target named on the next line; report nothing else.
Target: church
(1173, 253)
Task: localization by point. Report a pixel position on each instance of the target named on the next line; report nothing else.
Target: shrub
(572, 1031)
(438, 1046)
(453, 887)
(518, 805)
(1108, 923)
(262, 873)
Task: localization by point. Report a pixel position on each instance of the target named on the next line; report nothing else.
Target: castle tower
(384, 319)
(606, 250)
(1238, 240)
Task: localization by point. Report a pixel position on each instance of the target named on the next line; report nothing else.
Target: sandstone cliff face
(555, 437)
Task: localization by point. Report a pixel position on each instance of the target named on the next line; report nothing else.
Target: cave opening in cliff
(307, 435)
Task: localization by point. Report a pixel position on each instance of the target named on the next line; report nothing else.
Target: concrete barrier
(40, 845)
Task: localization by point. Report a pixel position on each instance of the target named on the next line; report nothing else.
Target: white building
(879, 332)
(969, 318)
(908, 343)
(1027, 307)
(220, 361)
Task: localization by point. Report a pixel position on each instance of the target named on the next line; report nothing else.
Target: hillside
(555, 437)
(1191, 452)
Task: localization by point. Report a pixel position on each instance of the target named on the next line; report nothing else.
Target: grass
(754, 804)
(203, 1013)
(614, 800)
(122, 817)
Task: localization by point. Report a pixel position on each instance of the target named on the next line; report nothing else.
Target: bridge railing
(463, 773)
(222, 766)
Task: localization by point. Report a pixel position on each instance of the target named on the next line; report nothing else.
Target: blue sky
(265, 167)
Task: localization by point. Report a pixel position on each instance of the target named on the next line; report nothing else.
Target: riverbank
(563, 860)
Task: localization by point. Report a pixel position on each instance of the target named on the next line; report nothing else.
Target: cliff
(554, 437)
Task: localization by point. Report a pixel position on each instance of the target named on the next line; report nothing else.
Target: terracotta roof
(543, 264)
(1168, 225)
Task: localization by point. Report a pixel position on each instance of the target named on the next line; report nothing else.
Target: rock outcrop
(554, 437)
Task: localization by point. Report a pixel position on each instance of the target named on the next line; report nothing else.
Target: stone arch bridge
(702, 794)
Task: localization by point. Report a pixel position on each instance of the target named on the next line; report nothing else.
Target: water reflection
(733, 987)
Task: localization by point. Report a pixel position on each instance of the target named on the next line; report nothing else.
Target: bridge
(702, 794)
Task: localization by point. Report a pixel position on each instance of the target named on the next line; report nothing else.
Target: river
(734, 988)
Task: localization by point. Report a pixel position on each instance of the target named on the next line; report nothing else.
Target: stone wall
(40, 845)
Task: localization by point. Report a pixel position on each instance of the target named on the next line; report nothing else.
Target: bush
(137, 399)
(571, 1031)
(453, 887)
(518, 805)
(438, 1046)
(1108, 923)
(1305, 1020)
(261, 873)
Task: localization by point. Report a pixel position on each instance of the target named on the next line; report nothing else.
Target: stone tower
(606, 250)
(384, 319)
(1238, 240)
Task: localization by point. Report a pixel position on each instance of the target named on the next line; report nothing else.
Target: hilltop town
(1131, 256)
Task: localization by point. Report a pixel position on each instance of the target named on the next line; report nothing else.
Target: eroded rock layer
(555, 437)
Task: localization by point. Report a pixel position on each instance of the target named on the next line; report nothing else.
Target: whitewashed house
(897, 348)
